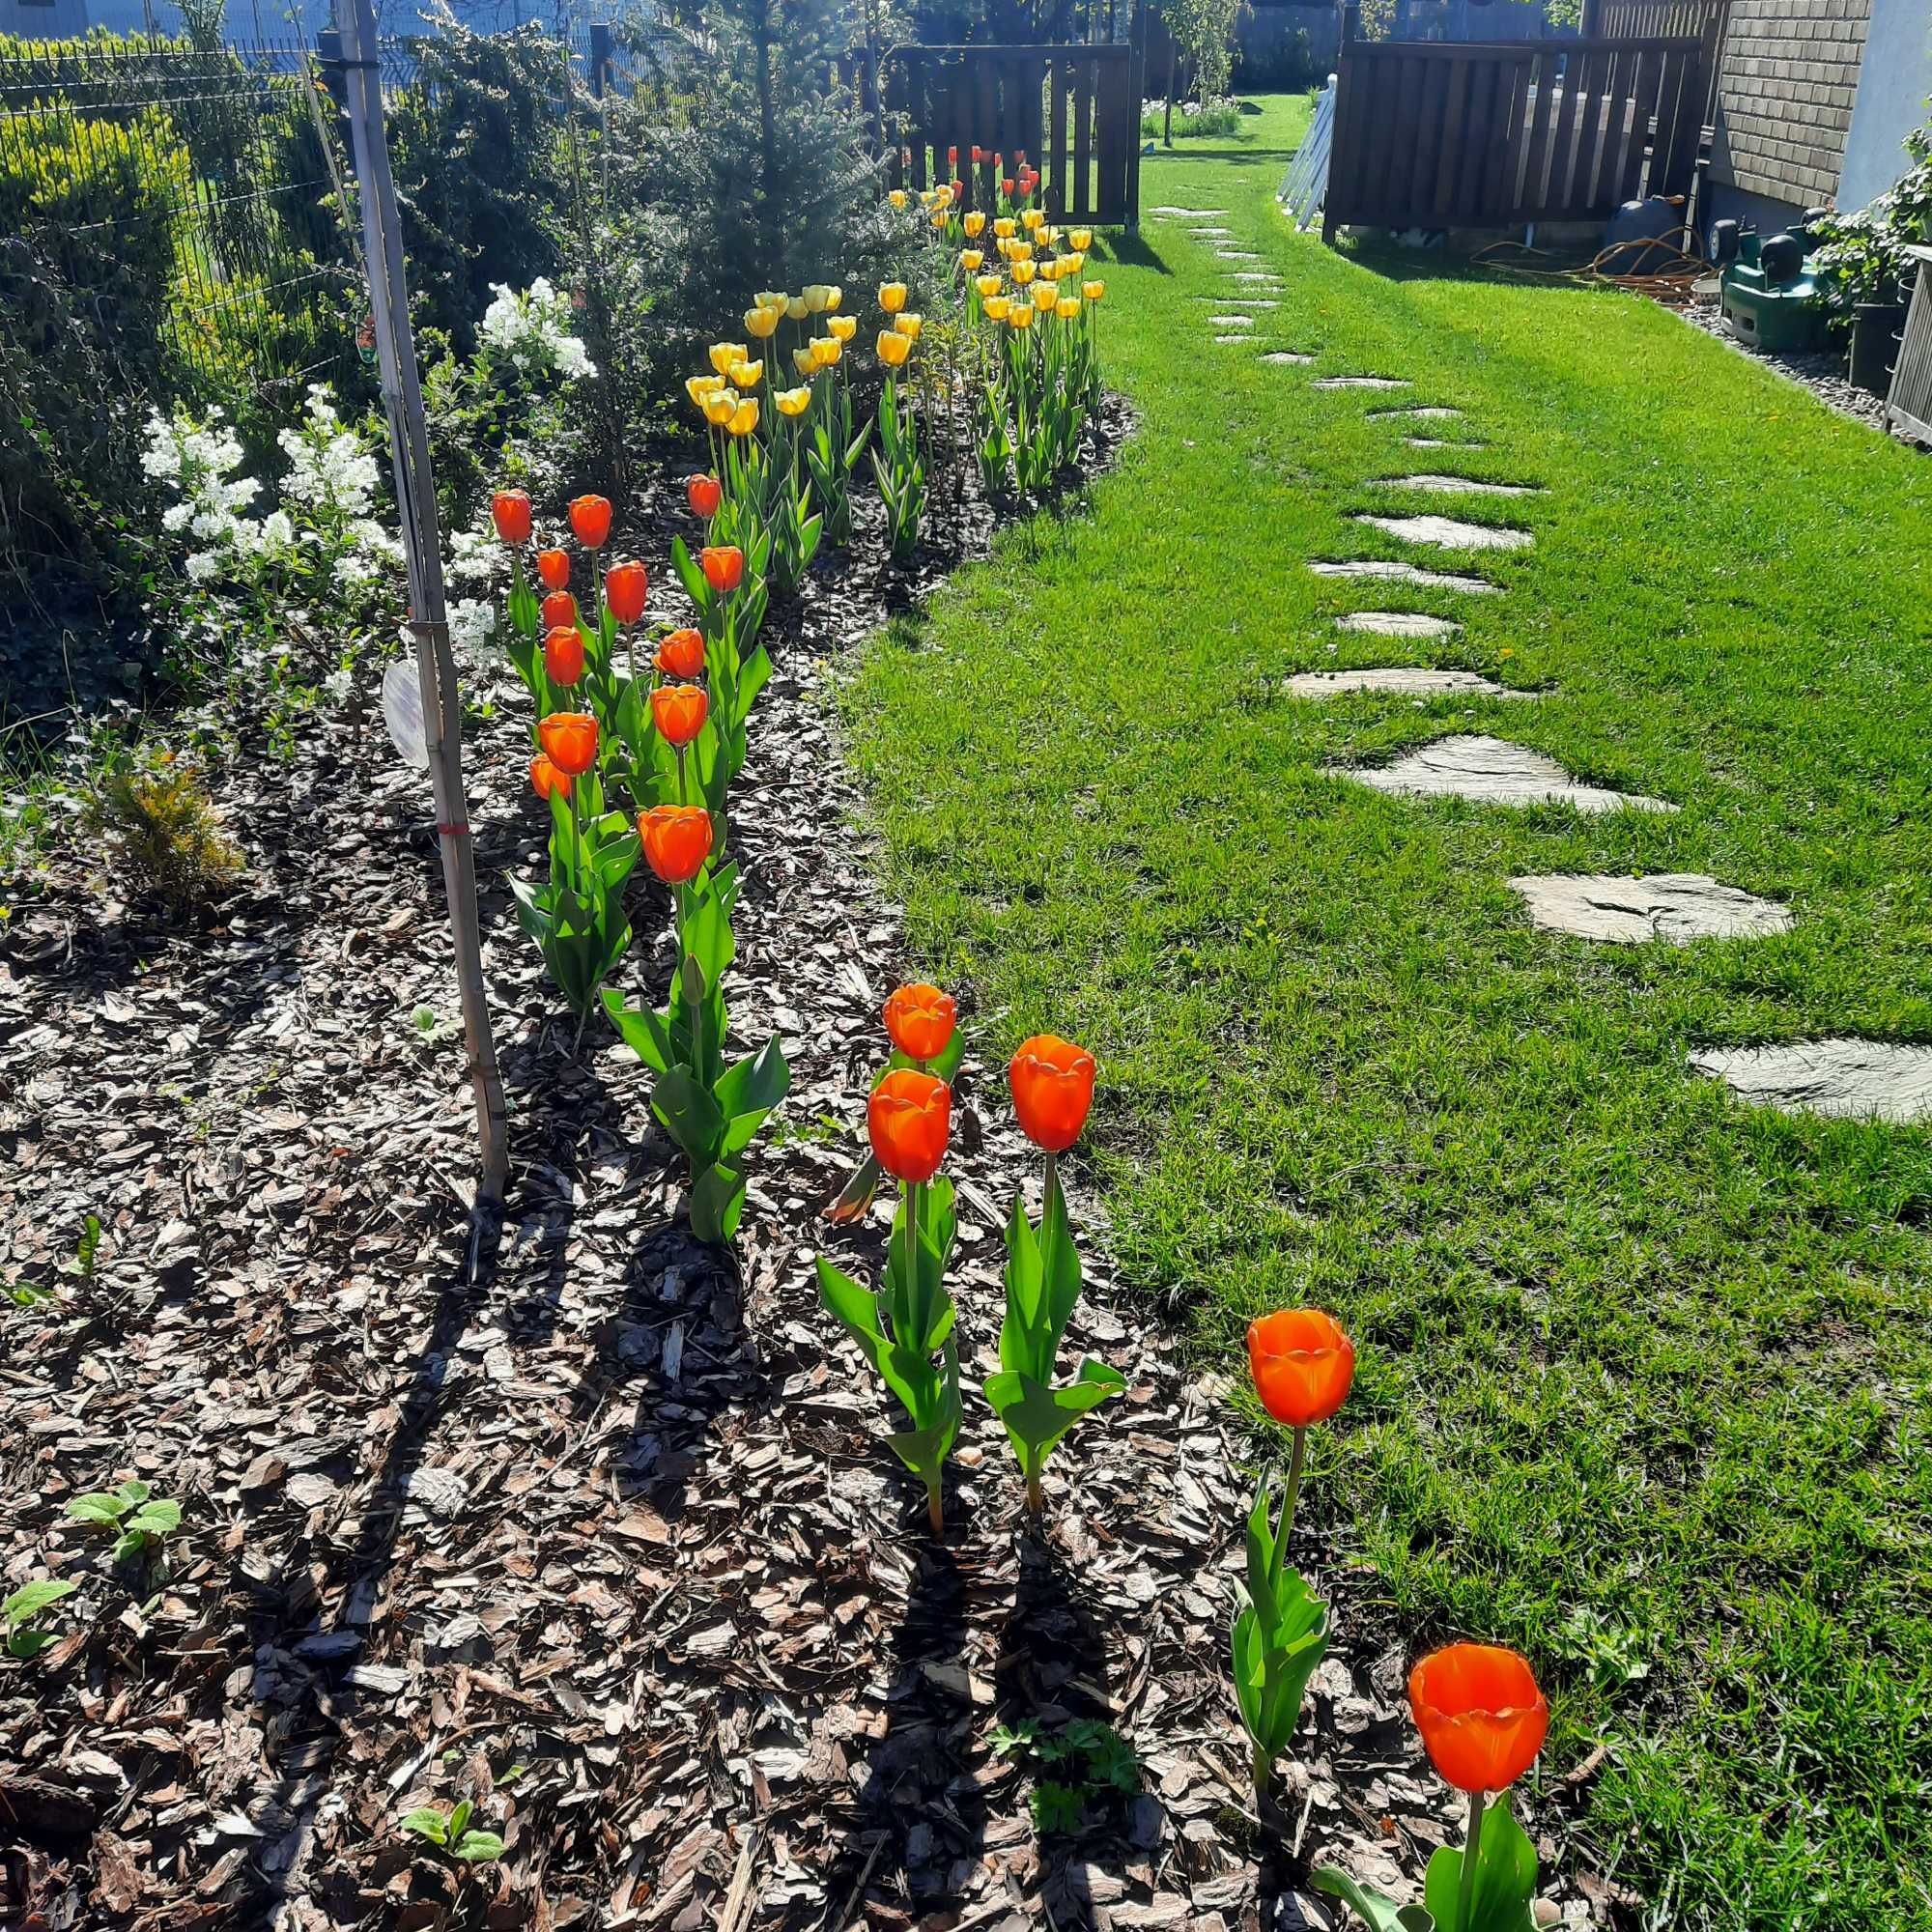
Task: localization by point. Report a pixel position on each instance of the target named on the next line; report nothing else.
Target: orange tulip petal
(1483, 1719)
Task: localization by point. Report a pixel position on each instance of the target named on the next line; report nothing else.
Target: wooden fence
(1445, 134)
(1073, 111)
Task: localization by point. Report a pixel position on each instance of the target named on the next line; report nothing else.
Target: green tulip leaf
(1378, 1914)
(717, 1200)
(1505, 1886)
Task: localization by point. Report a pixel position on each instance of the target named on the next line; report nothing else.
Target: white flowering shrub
(197, 458)
(530, 334)
(333, 476)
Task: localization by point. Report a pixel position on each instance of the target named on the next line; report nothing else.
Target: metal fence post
(415, 501)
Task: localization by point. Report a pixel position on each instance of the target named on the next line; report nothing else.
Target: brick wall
(1784, 98)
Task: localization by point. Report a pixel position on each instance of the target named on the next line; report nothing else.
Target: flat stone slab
(1210, 234)
(1439, 442)
(1363, 382)
(1240, 302)
(1232, 321)
(1190, 213)
(1676, 907)
(1460, 486)
(1418, 413)
(1400, 681)
(1280, 358)
(1492, 771)
(1235, 338)
(1847, 1079)
(1237, 255)
(1449, 534)
(1403, 573)
(1256, 275)
(1398, 624)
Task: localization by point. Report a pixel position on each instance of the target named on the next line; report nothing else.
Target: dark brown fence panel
(1448, 135)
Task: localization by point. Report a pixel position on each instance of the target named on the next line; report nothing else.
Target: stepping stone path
(1463, 484)
(1280, 358)
(1398, 624)
(1362, 383)
(1273, 281)
(1240, 301)
(1492, 771)
(1403, 573)
(1399, 681)
(1418, 411)
(1232, 321)
(1439, 442)
(1190, 213)
(1447, 533)
(1237, 255)
(1211, 233)
(1243, 339)
(1846, 1079)
(1677, 907)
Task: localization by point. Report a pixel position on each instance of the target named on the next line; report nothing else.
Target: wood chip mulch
(594, 1525)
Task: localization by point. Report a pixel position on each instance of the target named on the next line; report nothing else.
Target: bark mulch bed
(591, 1526)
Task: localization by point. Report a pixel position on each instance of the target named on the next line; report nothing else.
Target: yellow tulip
(698, 387)
(1004, 226)
(804, 361)
(970, 260)
(1092, 291)
(771, 298)
(1022, 251)
(987, 285)
(842, 327)
(834, 295)
(795, 402)
(795, 309)
(1047, 236)
(826, 349)
(939, 221)
(1020, 315)
(909, 326)
(724, 353)
(1032, 218)
(1023, 274)
(1075, 262)
(894, 348)
(720, 408)
(760, 321)
(898, 197)
(998, 307)
(816, 295)
(745, 417)
(1066, 307)
(1005, 247)
(1082, 239)
(892, 297)
(974, 221)
(747, 375)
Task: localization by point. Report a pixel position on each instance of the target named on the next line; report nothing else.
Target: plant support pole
(422, 545)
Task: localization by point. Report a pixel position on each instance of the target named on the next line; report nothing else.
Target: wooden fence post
(422, 545)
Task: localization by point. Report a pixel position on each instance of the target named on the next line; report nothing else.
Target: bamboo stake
(422, 544)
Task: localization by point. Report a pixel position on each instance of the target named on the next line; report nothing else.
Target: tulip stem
(935, 1509)
(1289, 1501)
(1263, 1766)
(1471, 1859)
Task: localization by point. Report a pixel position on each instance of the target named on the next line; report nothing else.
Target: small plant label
(402, 713)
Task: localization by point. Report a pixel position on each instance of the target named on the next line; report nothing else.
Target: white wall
(1893, 83)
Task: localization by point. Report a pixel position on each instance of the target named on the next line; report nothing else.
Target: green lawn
(1643, 1374)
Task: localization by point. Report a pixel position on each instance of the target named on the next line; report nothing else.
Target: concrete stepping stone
(1363, 382)
(1256, 275)
(1400, 681)
(1211, 233)
(1417, 413)
(1492, 771)
(1449, 533)
(1189, 213)
(1232, 321)
(1398, 624)
(1240, 301)
(1439, 442)
(1845, 1079)
(1243, 340)
(1280, 358)
(1237, 255)
(1403, 573)
(1676, 907)
(1460, 485)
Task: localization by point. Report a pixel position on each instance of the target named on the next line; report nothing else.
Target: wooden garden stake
(422, 545)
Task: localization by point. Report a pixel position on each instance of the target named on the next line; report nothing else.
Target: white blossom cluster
(199, 460)
(334, 473)
(531, 332)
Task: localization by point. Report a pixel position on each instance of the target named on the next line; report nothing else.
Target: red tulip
(554, 568)
(676, 840)
(625, 588)
(558, 607)
(563, 655)
(1482, 1719)
(724, 567)
(547, 778)
(1053, 1087)
(951, 158)
(678, 711)
(569, 739)
(510, 509)
(1007, 187)
(919, 1019)
(682, 653)
(978, 155)
(703, 493)
(1302, 1365)
(590, 520)
(909, 1116)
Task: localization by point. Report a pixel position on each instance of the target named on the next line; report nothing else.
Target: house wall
(1892, 88)
(1789, 78)
(43, 19)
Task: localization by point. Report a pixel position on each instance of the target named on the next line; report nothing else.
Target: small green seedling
(17, 1616)
(449, 1832)
(86, 1251)
(140, 1520)
(1082, 1762)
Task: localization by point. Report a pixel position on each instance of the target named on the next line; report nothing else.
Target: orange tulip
(909, 1118)
(563, 655)
(1482, 1719)
(626, 586)
(558, 607)
(681, 654)
(676, 840)
(547, 778)
(724, 567)
(1302, 1365)
(510, 509)
(569, 739)
(678, 711)
(1053, 1087)
(554, 568)
(704, 493)
(919, 1019)
(590, 520)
